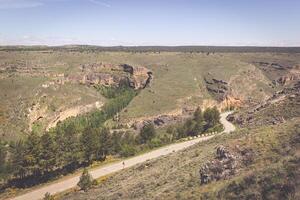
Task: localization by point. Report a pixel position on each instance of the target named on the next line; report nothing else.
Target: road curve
(101, 171)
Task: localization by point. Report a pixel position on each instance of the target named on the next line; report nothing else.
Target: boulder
(224, 166)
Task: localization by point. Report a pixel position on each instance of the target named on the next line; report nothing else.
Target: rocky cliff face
(221, 91)
(140, 77)
(113, 75)
(217, 88)
(283, 105)
(291, 77)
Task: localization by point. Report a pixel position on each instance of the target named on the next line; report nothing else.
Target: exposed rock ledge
(137, 77)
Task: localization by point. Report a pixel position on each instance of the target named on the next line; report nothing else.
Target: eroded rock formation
(225, 165)
(280, 73)
(283, 105)
(217, 88)
(113, 75)
(221, 91)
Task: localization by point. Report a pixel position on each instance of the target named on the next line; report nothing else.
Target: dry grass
(178, 81)
(176, 176)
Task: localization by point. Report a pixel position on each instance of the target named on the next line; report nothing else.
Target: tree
(18, 159)
(172, 130)
(68, 142)
(127, 150)
(105, 141)
(147, 133)
(211, 117)
(3, 153)
(48, 153)
(198, 128)
(128, 138)
(32, 153)
(116, 143)
(48, 196)
(89, 144)
(198, 116)
(86, 181)
(182, 132)
(190, 127)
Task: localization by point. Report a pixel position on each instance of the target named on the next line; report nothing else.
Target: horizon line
(113, 46)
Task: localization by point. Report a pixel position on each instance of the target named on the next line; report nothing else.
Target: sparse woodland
(78, 141)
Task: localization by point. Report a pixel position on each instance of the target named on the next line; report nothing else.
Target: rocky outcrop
(290, 78)
(274, 65)
(102, 79)
(216, 87)
(173, 117)
(140, 76)
(35, 113)
(280, 73)
(161, 121)
(230, 102)
(99, 67)
(283, 105)
(137, 77)
(30, 68)
(225, 165)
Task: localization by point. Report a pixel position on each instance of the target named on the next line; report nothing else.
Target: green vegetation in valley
(79, 141)
(73, 143)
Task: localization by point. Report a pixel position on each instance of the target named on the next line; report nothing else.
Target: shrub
(86, 181)
(48, 196)
(127, 150)
(211, 117)
(147, 133)
(155, 142)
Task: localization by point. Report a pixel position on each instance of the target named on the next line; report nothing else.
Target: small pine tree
(147, 133)
(48, 196)
(86, 181)
(198, 116)
(211, 116)
(3, 153)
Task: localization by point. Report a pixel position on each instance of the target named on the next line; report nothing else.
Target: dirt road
(101, 171)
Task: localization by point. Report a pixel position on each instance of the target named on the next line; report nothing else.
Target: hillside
(39, 86)
(88, 105)
(142, 100)
(258, 163)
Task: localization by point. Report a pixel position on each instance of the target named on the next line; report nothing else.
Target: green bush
(155, 142)
(147, 133)
(127, 150)
(86, 181)
(48, 196)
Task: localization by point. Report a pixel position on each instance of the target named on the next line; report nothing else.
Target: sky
(150, 22)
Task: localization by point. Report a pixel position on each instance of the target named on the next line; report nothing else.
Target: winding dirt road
(105, 170)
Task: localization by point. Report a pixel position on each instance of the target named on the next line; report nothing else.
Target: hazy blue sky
(150, 22)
